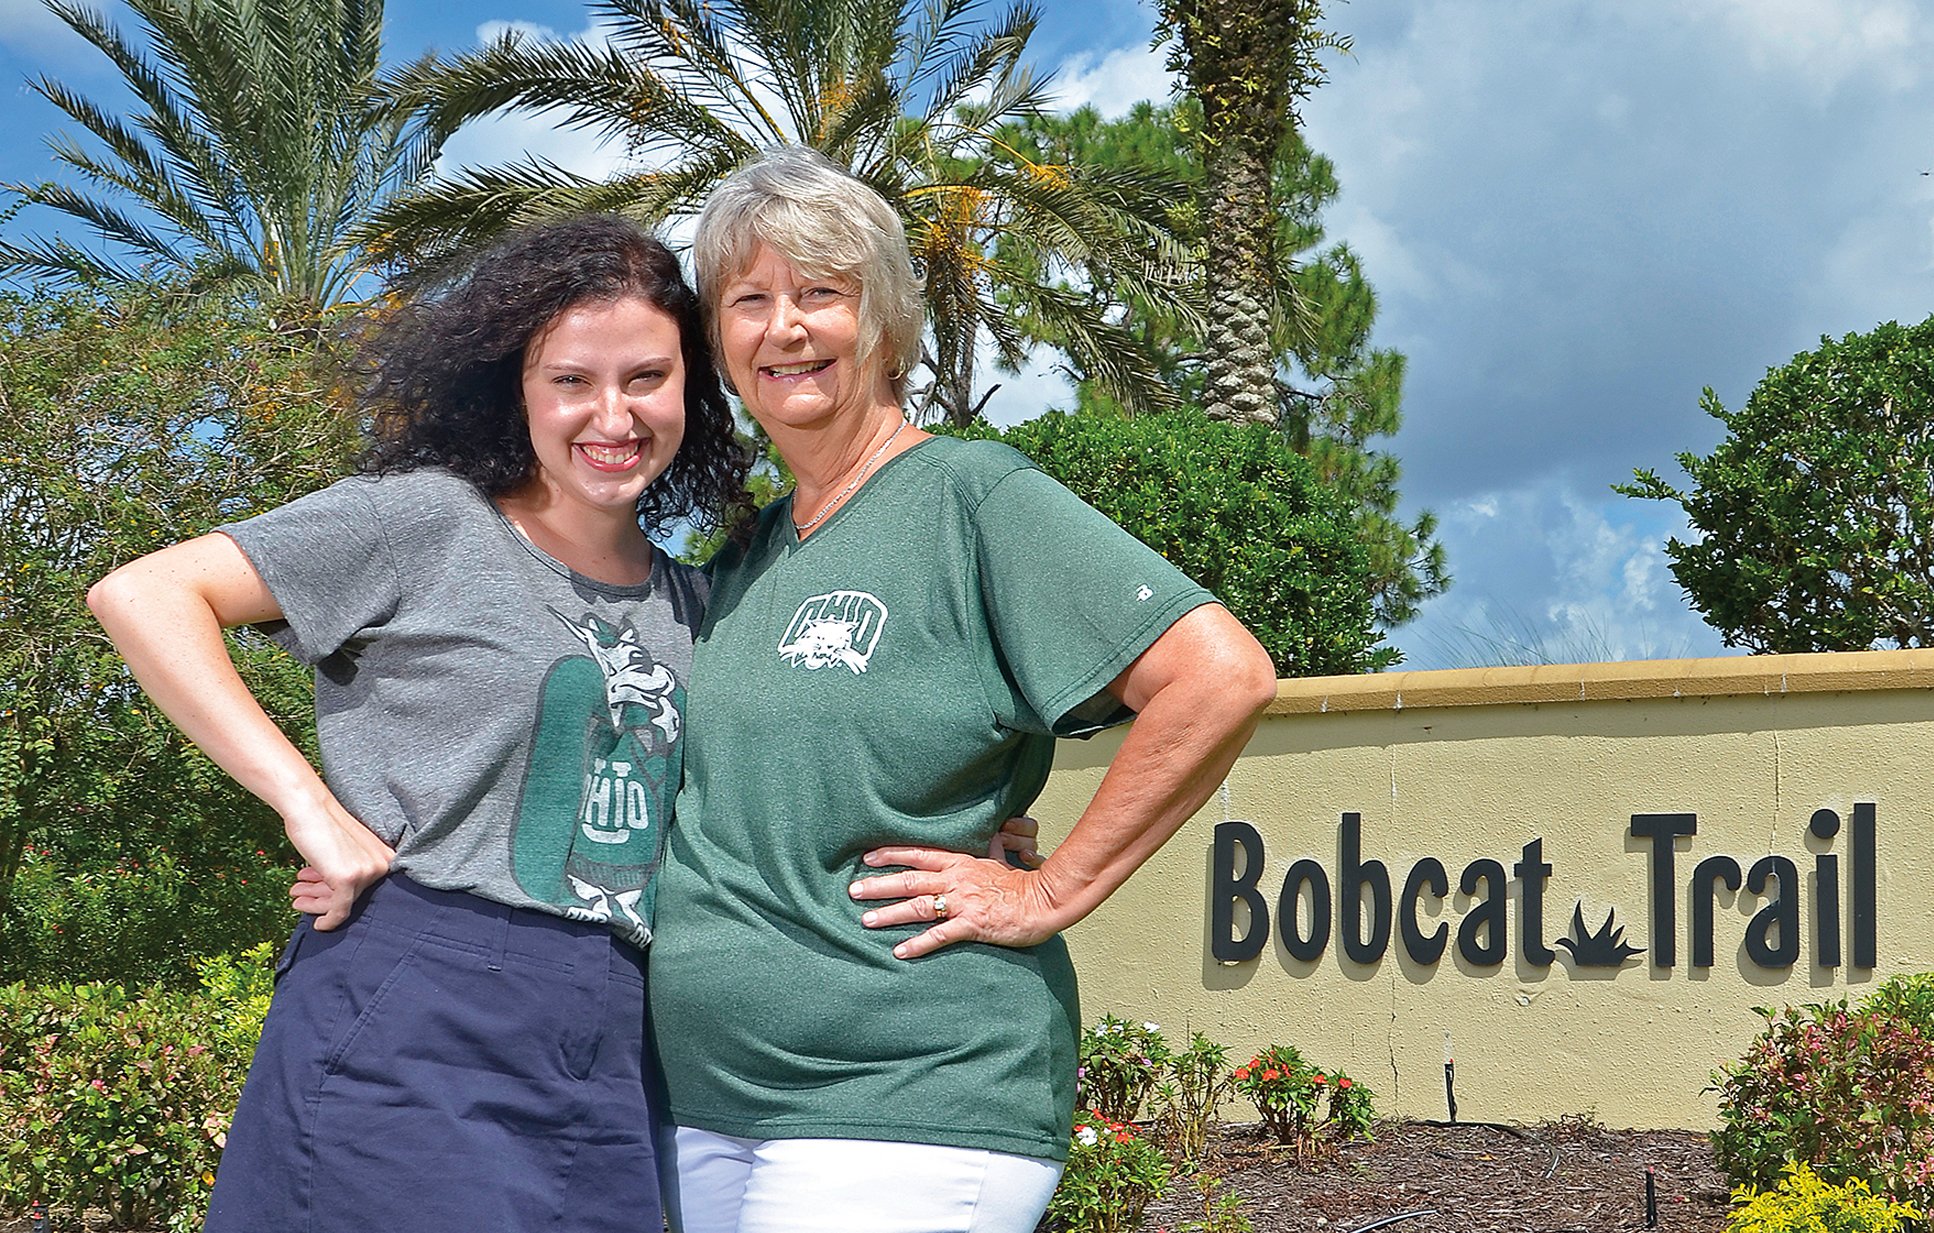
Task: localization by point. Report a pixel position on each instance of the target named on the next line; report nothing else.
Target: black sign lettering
(1357, 874)
(1424, 948)
(1662, 829)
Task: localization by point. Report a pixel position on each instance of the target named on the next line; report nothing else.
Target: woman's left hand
(1018, 842)
(964, 898)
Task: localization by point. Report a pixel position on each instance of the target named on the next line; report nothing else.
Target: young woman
(456, 1040)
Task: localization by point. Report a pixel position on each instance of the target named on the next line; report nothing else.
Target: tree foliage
(130, 418)
(261, 139)
(1246, 63)
(910, 96)
(1336, 394)
(1815, 516)
(1233, 507)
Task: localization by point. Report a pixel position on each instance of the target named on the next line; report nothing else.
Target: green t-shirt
(899, 677)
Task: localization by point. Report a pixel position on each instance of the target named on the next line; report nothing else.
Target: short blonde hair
(827, 224)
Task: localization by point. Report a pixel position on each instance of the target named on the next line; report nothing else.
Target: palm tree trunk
(1241, 367)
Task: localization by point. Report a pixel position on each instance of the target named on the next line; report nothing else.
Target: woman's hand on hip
(344, 859)
(964, 899)
(1018, 842)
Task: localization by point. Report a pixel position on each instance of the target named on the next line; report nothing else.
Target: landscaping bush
(1238, 510)
(1287, 1090)
(1186, 1098)
(1113, 1174)
(1352, 1111)
(140, 916)
(1849, 1093)
(1803, 1203)
(1909, 996)
(118, 1101)
(1283, 1087)
(1120, 1062)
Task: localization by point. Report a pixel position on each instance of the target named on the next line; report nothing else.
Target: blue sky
(1576, 214)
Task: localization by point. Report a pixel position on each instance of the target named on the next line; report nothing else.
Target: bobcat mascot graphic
(590, 828)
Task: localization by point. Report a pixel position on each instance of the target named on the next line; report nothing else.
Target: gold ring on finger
(940, 907)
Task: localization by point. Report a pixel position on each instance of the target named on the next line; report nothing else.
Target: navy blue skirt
(446, 1063)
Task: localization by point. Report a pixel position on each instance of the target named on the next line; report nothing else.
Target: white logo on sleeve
(1142, 593)
(840, 627)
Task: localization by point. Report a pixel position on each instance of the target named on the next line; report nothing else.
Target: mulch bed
(1570, 1176)
(1467, 1178)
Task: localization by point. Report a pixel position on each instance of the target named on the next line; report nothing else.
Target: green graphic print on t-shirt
(605, 757)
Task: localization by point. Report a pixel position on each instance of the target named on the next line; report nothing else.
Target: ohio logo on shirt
(840, 627)
(605, 760)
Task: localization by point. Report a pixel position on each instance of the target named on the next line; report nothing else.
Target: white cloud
(1827, 44)
(1547, 573)
(491, 31)
(1021, 396)
(504, 137)
(1394, 267)
(1111, 83)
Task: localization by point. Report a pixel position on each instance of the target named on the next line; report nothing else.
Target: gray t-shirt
(512, 728)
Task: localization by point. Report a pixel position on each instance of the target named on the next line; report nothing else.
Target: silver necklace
(847, 491)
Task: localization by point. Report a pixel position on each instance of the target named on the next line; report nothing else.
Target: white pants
(721, 1184)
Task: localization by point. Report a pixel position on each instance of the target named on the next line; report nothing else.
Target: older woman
(878, 682)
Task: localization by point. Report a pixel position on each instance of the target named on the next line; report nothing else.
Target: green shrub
(1238, 510)
(1803, 1203)
(119, 1101)
(1352, 1109)
(1848, 1092)
(1283, 1087)
(1113, 1174)
(1909, 996)
(141, 917)
(1121, 1062)
(1186, 1097)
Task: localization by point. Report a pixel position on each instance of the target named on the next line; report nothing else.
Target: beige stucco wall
(1467, 764)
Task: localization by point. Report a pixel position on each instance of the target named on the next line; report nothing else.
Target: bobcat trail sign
(1586, 876)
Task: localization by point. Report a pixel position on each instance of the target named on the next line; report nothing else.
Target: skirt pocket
(384, 959)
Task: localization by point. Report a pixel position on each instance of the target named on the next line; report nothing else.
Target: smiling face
(604, 395)
(791, 345)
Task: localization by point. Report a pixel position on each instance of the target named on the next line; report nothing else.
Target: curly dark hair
(446, 367)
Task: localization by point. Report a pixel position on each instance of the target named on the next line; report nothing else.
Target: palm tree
(262, 139)
(1246, 62)
(911, 97)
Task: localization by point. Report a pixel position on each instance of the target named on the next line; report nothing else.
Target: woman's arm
(1198, 693)
(165, 613)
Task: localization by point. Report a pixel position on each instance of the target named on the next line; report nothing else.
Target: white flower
(1086, 1136)
(1150, 1027)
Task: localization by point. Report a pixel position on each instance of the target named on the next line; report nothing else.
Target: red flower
(1242, 1072)
(1269, 1075)
(1319, 1078)
(1343, 1082)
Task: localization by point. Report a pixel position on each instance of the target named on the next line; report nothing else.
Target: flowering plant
(1803, 1203)
(1112, 1176)
(1848, 1092)
(1352, 1110)
(119, 1100)
(1285, 1089)
(1121, 1061)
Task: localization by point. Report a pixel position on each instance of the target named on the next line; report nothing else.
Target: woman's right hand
(344, 859)
(165, 613)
